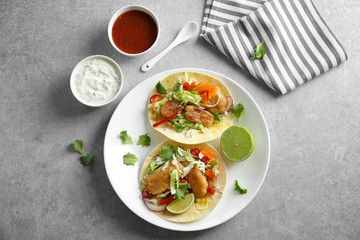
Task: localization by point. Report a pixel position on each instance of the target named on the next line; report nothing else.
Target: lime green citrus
(181, 205)
(237, 143)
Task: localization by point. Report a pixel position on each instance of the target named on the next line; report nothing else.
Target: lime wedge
(237, 143)
(181, 205)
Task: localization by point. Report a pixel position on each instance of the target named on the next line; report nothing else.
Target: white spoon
(187, 32)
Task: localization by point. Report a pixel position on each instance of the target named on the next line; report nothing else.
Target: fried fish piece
(197, 181)
(159, 180)
(170, 107)
(199, 115)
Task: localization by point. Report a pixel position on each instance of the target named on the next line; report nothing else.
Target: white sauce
(97, 81)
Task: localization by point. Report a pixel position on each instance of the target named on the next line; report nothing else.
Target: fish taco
(182, 183)
(190, 107)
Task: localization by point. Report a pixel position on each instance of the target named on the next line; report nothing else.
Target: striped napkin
(299, 44)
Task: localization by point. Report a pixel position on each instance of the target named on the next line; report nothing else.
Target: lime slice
(181, 205)
(237, 143)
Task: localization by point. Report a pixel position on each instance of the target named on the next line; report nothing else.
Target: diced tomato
(182, 181)
(146, 194)
(166, 200)
(188, 87)
(211, 190)
(205, 159)
(195, 152)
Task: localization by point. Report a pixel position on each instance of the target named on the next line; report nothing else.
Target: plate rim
(214, 74)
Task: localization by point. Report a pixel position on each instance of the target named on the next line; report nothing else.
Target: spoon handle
(186, 32)
(149, 64)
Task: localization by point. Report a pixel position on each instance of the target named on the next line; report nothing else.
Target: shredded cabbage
(174, 181)
(187, 96)
(181, 151)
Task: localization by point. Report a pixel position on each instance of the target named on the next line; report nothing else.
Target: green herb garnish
(216, 115)
(239, 188)
(87, 159)
(238, 110)
(178, 189)
(125, 138)
(179, 127)
(144, 140)
(160, 88)
(177, 87)
(78, 145)
(129, 159)
(182, 190)
(167, 152)
(259, 51)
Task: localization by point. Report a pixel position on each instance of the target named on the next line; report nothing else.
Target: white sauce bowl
(125, 9)
(90, 87)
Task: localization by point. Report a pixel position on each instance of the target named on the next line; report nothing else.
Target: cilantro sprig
(167, 152)
(85, 159)
(182, 190)
(238, 110)
(78, 145)
(144, 140)
(259, 51)
(125, 138)
(240, 188)
(129, 159)
(217, 116)
(160, 88)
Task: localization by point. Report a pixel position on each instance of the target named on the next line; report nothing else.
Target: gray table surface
(312, 188)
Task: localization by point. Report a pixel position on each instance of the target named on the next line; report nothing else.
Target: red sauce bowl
(133, 30)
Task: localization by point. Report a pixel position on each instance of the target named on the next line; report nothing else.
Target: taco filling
(189, 105)
(174, 172)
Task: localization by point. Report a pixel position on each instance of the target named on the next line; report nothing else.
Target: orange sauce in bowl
(134, 31)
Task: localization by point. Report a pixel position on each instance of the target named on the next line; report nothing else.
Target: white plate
(131, 115)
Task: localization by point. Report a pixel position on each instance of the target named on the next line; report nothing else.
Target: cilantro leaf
(87, 159)
(238, 110)
(129, 159)
(177, 87)
(144, 140)
(240, 188)
(259, 51)
(125, 138)
(182, 190)
(78, 145)
(216, 115)
(167, 152)
(179, 127)
(160, 88)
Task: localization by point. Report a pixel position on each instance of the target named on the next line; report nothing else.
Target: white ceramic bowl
(125, 9)
(75, 92)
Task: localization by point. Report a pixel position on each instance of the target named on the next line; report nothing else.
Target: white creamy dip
(97, 81)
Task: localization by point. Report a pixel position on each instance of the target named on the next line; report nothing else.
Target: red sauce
(134, 31)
